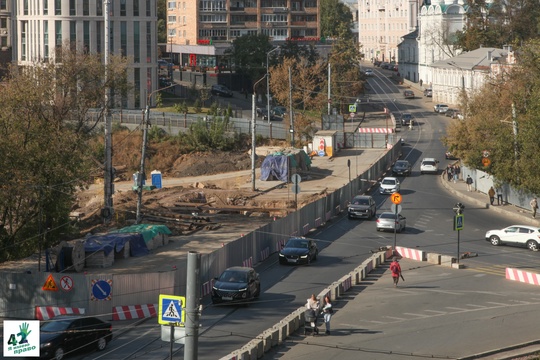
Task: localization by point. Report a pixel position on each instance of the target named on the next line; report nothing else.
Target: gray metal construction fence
(22, 292)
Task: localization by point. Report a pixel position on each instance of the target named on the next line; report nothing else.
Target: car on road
(389, 185)
(390, 221)
(515, 235)
(408, 94)
(449, 156)
(428, 92)
(452, 113)
(65, 334)
(221, 90)
(369, 72)
(429, 165)
(298, 251)
(406, 119)
(362, 206)
(440, 108)
(401, 168)
(236, 284)
(279, 110)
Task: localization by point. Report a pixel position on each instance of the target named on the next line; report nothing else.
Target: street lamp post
(268, 82)
(253, 131)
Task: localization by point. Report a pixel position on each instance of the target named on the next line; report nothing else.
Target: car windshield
(387, 216)
(300, 244)
(401, 164)
(360, 202)
(388, 182)
(55, 326)
(429, 163)
(407, 116)
(233, 276)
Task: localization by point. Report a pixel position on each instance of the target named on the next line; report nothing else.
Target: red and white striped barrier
(305, 229)
(522, 276)
(130, 312)
(413, 254)
(318, 222)
(207, 287)
(49, 312)
(376, 130)
(248, 262)
(346, 284)
(265, 253)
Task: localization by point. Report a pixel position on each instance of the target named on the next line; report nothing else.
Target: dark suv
(221, 90)
(362, 206)
(401, 167)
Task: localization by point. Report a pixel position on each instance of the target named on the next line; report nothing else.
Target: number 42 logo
(23, 335)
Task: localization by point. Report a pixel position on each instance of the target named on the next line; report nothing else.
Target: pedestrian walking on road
(328, 311)
(469, 182)
(313, 306)
(449, 172)
(491, 194)
(534, 206)
(395, 268)
(499, 192)
(456, 173)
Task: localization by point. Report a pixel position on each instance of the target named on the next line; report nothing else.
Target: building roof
(482, 57)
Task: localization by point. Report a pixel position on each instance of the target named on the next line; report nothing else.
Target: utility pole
(291, 108)
(140, 178)
(329, 88)
(253, 131)
(108, 210)
(193, 310)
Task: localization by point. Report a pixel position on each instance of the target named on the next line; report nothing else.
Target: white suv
(389, 185)
(429, 165)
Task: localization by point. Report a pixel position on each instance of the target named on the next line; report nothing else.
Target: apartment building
(42, 26)
(200, 32)
(5, 33)
(382, 24)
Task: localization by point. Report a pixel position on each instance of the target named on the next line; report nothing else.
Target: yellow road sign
(396, 198)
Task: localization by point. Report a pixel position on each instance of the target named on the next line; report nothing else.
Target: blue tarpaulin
(116, 242)
(148, 231)
(275, 167)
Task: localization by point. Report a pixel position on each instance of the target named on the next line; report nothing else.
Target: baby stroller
(310, 322)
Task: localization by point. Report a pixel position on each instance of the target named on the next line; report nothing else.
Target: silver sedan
(387, 221)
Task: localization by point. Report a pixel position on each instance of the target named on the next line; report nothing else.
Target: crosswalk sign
(171, 310)
(458, 222)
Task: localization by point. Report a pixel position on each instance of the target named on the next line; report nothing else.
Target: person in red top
(395, 268)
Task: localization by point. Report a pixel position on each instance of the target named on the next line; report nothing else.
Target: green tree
(162, 21)
(334, 15)
(248, 54)
(484, 26)
(44, 132)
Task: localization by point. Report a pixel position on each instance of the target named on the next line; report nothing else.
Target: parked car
(362, 206)
(389, 221)
(401, 167)
(428, 92)
(377, 63)
(515, 235)
(389, 185)
(298, 250)
(236, 284)
(449, 156)
(440, 108)
(429, 165)
(279, 110)
(64, 334)
(406, 119)
(221, 90)
(368, 72)
(452, 113)
(408, 94)
(385, 65)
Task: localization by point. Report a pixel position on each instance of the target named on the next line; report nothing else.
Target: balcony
(281, 10)
(237, 9)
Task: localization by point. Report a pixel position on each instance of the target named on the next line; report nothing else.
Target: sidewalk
(517, 214)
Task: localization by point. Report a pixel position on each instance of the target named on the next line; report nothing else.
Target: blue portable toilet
(156, 179)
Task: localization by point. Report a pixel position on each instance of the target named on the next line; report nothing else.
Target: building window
(172, 33)
(99, 24)
(171, 19)
(25, 7)
(148, 42)
(137, 81)
(71, 7)
(3, 23)
(46, 40)
(57, 7)
(136, 8)
(3, 41)
(136, 42)
(111, 37)
(148, 8)
(3, 4)
(86, 7)
(72, 34)
(123, 37)
(99, 8)
(45, 7)
(171, 5)
(86, 36)
(122, 7)
(24, 28)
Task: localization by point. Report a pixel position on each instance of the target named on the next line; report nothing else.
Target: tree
(484, 26)
(335, 15)
(489, 124)
(248, 54)
(162, 18)
(44, 133)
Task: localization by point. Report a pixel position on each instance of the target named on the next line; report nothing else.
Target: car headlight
(45, 345)
(303, 256)
(281, 255)
(243, 289)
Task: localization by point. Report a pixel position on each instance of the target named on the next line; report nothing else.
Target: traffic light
(458, 208)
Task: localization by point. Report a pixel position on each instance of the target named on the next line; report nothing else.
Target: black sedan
(236, 284)
(66, 334)
(401, 168)
(298, 250)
